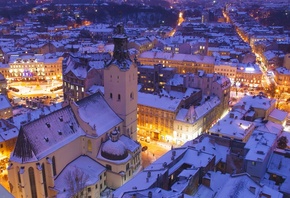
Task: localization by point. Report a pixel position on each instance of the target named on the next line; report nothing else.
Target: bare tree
(76, 181)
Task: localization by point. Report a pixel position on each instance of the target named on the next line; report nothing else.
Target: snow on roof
(178, 57)
(165, 103)
(270, 127)
(45, 135)
(209, 145)
(29, 116)
(115, 161)
(278, 114)
(233, 128)
(176, 80)
(238, 186)
(4, 102)
(207, 106)
(97, 64)
(90, 168)
(130, 144)
(259, 144)
(269, 55)
(259, 102)
(95, 111)
(184, 179)
(4, 193)
(169, 163)
(283, 70)
(155, 192)
(7, 131)
(280, 165)
(139, 182)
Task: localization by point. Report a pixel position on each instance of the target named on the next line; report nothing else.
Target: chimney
(253, 189)
(206, 180)
(149, 194)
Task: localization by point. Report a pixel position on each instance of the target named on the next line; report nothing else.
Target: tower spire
(121, 56)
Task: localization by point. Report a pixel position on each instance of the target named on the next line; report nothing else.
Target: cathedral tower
(120, 84)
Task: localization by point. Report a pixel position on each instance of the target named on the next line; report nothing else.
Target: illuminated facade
(153, 78)
(184, 63)
(81, 73)
(249, 75)
(35, 66)
(282, 78)
(157, 123)
(166, 118)
(5, 107)
(226, 69)
(3, 84)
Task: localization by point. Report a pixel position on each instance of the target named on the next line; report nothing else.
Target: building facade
(154, 78)
(35, 66)
(184, 63)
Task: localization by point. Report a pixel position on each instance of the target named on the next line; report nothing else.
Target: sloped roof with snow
(41, 137)
(238, 186)
(4, 102)
(278, 114)
(45, 135)
(89, 169)
(95, 111)
(178, 57)
(259, 144)
(165, 103)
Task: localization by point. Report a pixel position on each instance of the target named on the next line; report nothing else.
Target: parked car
(144, 148)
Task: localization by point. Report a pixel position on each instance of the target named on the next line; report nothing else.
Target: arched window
(53, 166)
(18, 174)
(32, 182)
(89, 146)
(44, 180)
(109, 167)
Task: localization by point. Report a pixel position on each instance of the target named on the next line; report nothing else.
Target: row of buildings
(270, 44)
(240, 156)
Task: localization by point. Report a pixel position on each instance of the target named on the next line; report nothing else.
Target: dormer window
(71, 126)
(47, 124)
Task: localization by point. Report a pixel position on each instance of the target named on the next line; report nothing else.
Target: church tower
(120, 84)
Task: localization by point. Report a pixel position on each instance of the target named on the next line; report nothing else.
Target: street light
(277, 97)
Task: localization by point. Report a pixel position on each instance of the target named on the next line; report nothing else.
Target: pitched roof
(39, 138)
(43, 136)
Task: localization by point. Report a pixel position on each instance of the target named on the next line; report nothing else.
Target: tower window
(119, 97)
(132, 95)
(111, 95)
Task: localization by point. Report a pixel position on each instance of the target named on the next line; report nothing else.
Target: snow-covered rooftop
(88, 169)
(160, 102)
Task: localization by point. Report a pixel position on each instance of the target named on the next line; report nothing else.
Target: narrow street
(155, 150)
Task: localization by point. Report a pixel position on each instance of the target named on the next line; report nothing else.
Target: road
(155, 150)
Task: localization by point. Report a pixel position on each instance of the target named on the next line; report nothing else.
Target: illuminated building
(35, 66)
(249, 75)
(81, 73)
(154, 78)
(3, 84)
(5, 107)
(282, 78)
(282, 75)
(169, 115)
(87, 141)
(184, 63)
